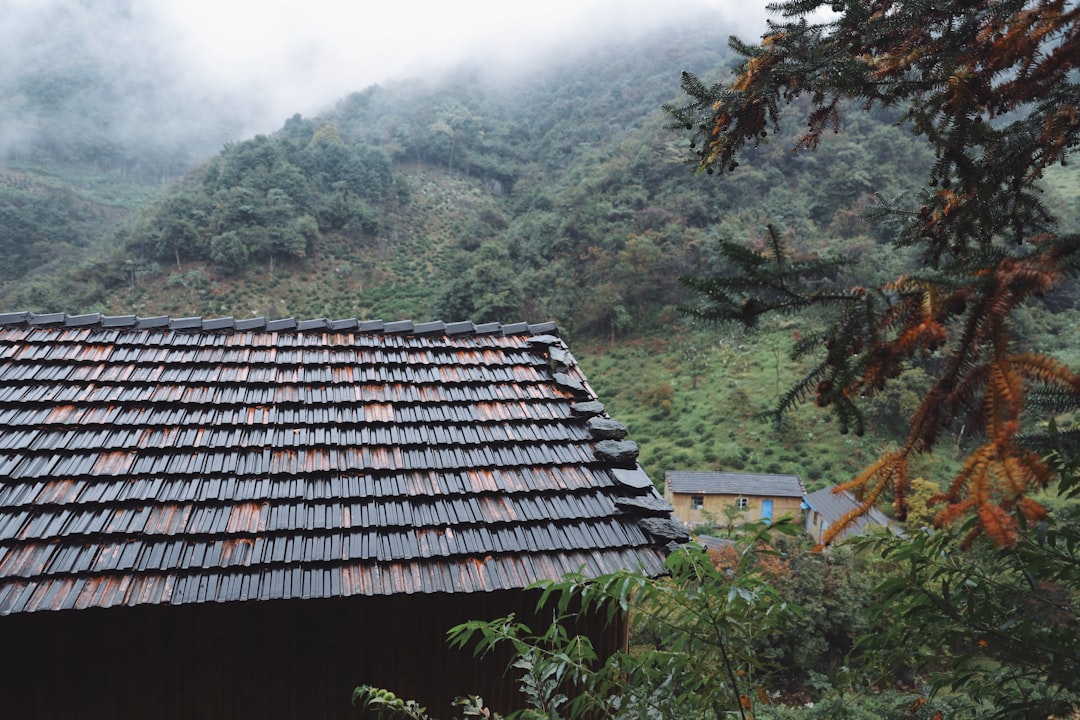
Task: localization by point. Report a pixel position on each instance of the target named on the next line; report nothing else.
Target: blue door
(766, 510)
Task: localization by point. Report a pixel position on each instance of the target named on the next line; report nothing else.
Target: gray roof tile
(47, 319)
(729, 483)
(284, 324)
(251, 324)
(153, 322)
(158, 460)
(318, 324)
(225, 323)
(400, 326)
(81, 320)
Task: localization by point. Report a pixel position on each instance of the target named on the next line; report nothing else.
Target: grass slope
(714, 420)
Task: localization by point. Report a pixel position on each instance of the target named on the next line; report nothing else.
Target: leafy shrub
(660, 396)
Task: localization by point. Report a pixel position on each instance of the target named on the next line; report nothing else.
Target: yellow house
(700, 498)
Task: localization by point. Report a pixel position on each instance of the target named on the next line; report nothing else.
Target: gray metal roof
(832, 506)
(154, 460)
(728, 483)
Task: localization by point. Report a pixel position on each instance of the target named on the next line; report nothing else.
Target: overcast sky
(311, 52)
(257, 62)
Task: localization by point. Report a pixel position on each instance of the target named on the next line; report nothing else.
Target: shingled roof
(730, 483)
(174, 461)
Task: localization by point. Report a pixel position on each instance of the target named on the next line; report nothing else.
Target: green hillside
(557, 195)
(550, 196)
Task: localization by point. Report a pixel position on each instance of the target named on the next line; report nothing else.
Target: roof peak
(262, 324)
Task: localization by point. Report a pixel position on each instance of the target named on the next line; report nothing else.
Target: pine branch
(985, 237)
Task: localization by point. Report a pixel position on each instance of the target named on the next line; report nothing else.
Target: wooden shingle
(150, 461)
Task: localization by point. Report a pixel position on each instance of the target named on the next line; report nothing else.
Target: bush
(660, 396)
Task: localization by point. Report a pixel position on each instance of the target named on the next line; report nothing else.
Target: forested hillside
(560, 194)
(555, 195)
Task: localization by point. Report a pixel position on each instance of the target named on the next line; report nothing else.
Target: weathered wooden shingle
(174, 461)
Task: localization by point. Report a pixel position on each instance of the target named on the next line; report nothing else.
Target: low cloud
(200, 72)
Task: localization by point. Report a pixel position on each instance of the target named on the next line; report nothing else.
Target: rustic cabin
(248, 518)
(704, 498)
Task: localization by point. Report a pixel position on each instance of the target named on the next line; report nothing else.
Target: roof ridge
(257, 324)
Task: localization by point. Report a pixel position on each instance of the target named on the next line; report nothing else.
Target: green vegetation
(893, 627)
(547, 199)
(885, 627)
(725, 422)
(52, 214)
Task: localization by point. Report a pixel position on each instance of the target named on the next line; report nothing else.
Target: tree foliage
(965, 626)
(997, 624)
(738, 632)
(269, 197)
(993, 87)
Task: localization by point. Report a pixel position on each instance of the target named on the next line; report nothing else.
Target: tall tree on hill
(994, 87)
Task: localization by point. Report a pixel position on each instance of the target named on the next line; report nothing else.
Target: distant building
(825, 508)
(700, 497)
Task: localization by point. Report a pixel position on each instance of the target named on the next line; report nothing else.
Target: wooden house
(248, 518)
(825, 507)
(704, 498)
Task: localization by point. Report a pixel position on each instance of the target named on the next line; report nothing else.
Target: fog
(189, 75)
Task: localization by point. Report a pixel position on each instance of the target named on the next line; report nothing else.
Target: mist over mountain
(483, 190)
(158, 86)
(154, 171)
(100, 82)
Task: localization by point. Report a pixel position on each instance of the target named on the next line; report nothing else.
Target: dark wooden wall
(266, 660)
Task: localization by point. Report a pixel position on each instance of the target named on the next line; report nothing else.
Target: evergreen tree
(993, 86)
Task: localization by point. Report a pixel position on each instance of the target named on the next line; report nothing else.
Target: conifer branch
(987, 240)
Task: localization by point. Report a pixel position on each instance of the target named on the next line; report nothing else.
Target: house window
(697, 502)
(742, 503)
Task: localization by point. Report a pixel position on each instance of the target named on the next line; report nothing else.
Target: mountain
(557, 193)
